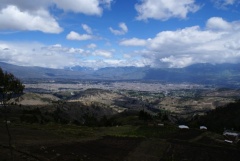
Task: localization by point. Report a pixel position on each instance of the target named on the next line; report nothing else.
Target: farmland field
(68, 142)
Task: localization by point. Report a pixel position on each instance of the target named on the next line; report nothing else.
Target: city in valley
(183, 99)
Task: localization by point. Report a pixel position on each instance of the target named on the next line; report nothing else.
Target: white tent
(183, 127)
(203, 128)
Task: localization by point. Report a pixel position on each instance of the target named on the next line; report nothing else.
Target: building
(231, 136)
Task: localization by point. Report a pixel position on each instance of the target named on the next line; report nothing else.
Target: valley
(116, 120)
(182, 99)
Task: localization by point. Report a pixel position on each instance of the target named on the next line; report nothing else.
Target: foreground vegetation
(136, 136)
(75, 131)
(71, 142)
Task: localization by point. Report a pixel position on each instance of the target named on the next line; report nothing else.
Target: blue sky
(111, 33)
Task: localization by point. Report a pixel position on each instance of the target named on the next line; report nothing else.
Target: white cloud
(58, 56)
(164, 10)
(217, 43)
(106, 3)
(223, 4)
(123, 29)
(101, 63)
(92, 46)
(183, 38)
(127, 56)
(218, 23)
(230, 2)
(87, 28)
(54, 56)
(123, 26)
(11, 18)
(26, 5)
(58, 48)
(88, 7)
(76, 36)
(35, 54)
(104, 53)
(133, 42)
(34, 15)
(177, 62)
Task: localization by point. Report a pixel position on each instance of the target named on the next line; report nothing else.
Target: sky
(116, 33)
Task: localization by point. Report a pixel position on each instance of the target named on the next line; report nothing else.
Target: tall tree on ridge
(10, 87)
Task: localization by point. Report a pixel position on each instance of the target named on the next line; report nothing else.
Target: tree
(144, 115)
(10, 87)
(162, 115)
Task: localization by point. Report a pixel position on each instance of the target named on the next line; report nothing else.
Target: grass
(65, 133)
(148, 142)
(153, 131)
(74, 132)
(80, 132)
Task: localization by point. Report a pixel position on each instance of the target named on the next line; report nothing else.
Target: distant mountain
(25, 72)
(121, 73)
(209, 74)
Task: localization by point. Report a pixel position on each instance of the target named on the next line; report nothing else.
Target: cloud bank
(218, 42)
(53, 56)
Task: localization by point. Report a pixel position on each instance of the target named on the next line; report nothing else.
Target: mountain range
(224, 75)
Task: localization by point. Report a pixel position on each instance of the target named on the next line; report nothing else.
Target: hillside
(225, 117)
